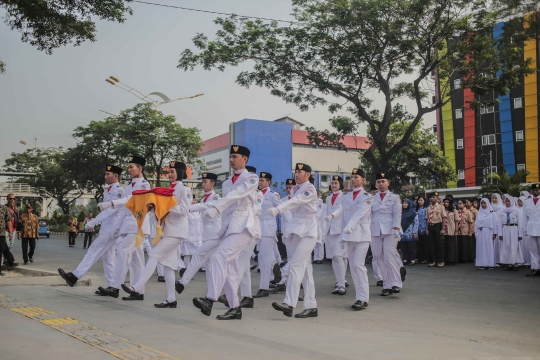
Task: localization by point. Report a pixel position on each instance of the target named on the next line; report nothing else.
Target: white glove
(348, 230)
(328, 218)
(396, 233)
(211, 213)
(90, 225)
(105, 205)
(272, 212)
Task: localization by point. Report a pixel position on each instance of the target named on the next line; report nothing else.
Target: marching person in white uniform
(356, 234)
(175, 229)
(334, 250)
(127, 254)
(238, 228)
(210, 239)
(267, 259)
(532, 230)
(103, 246)
(385, 234)
(302, 234)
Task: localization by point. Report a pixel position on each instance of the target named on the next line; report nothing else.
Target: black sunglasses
(11, 198)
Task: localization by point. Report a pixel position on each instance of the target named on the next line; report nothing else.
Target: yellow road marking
(115, 345)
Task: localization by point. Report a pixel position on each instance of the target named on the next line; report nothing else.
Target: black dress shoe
(318, 262)
(272, 286)
(202, 270)
(133, 297)
(403, 273)
(223, 299)
(359, 305)
(204, 304)
(25, 262)
(300, 298)
(179, 287)
(386, 292)
(166, 304)
(110, 291)
(253, 267)
(261, 293)
(182, 271)
(347, 284)
(98, 292)
(231, 314)
(284, 308)
(533, 273)
(380, 283)
(161, 278)
(280, 288)
(129, 290)
(307, 313)
(70, 279)
(247, 302)
(283, 263)
(396, 290)
(277, 273)
(31, 260)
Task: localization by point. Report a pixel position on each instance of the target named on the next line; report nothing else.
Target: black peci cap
(337, 178)
(136, 159)
(251, 169)
(380, 176)
(360, 172)
(179, 166)
(114, 169)
(301, 166)
(535, 186)
(209, 176)
(266, 175)
(239, 149)
(290, 182)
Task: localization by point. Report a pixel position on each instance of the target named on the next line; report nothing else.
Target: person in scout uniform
(127, 240)
(210, 239)
(104, 245)
(532, 229)
(238, 228)
(334, 250)
(355, 212)
(267, 258)
(436, 218)
(175, 229)
(385, 234)
(302, 233)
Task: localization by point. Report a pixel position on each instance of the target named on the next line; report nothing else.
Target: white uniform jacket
(303, 208)
(532, 212)
(334, 225)
(268, 223)
(357, 215)
(211, 227)
(109, 218)
(286, 216)
(385, 214)
(195, 227)
(128, 223)
(176, 222)
(321, 223)
(237, 205)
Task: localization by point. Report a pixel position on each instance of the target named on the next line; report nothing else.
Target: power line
(213, 12)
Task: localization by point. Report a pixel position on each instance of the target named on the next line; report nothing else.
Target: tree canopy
(344, 54)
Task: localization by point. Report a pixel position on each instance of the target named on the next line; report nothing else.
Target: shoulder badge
(216, 197)
(253, 181)
(188, 195)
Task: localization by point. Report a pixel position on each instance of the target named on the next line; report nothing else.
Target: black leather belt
(510, 224)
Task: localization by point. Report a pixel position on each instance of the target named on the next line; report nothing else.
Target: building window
(520, 167)
(457, 83)
(494, 169)
(434, 129)
(459, 143)
(489, 139)
(519, 135)
(518, 103)
(459, 113)
(487, 109)
(461, 174)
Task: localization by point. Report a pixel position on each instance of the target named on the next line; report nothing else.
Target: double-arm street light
(116, 82)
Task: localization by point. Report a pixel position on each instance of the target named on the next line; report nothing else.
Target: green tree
(52, 180)
(344, 53)
(503, 183)
(49, 24)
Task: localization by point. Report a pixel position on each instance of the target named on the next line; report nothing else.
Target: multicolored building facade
(495, 138)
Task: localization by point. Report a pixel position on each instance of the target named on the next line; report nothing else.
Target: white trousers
(148, 248)
(385, 249)
(375, 266)
(267, 260)
(339, 265)
(103, 247)
(534, 247)
(147, 273)
(318, 252)
(357, 262)
(201, 257)
(276, 253)
(301, 271)
(244, 269)
(285, 269)
(128, 257)
(225, 267)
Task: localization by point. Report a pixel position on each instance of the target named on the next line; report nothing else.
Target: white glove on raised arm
(211, 213)
(348, 230)
(328, 217)
(272, 212)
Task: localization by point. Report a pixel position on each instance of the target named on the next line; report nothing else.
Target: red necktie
(132, 184)
(109, 189)
(383, 195)
(535, 200)
(173, 185)
(289, 197)
(206, 197)
(235, 177)
(355, 194)
(334, 196)
(264, 190)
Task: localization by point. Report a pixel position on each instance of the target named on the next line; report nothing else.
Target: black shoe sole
(129, 291)
(172, 306)
(260, 296)
(221, 317)
(246, 306)
(199, 306)
(178, 287)
(300, 316)
(66, 279)
(278, 308)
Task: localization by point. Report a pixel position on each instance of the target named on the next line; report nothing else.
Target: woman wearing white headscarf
(485, 236)
(525, 194)
(497, 205)
(522, 221)
(510, 234)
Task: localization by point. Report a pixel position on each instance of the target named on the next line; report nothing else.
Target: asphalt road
(456, 312)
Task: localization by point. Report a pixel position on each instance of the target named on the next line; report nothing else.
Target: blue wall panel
(270, 144)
